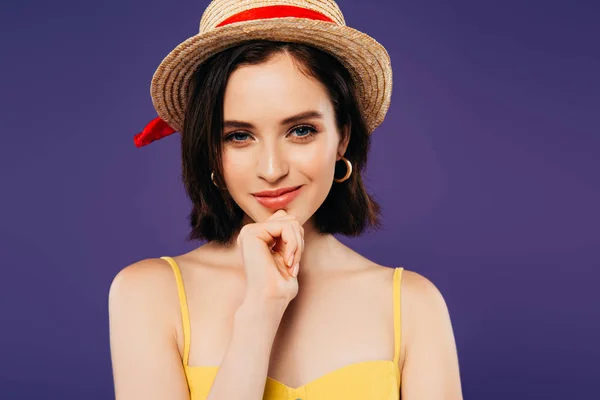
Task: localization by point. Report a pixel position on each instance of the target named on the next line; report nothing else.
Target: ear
(344, 140)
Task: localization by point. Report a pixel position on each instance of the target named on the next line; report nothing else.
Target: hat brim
(366, 59)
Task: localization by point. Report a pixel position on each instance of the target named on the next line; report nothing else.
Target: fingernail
(295, 270)
(290, 260)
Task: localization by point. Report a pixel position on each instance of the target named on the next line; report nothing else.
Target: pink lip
(277, 198)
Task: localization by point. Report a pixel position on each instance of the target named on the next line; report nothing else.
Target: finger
(280, 263)
(278, 214)
(273, 234)
(299, 248)
(286, 217)
(282, 233)
(293, 258)
(300, 242)
(289, 242)
(276, 245)
(286, 235)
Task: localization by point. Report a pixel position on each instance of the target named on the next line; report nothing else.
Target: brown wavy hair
(348, 208)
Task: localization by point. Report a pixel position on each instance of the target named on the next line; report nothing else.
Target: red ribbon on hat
(269, 12)
(158, 128)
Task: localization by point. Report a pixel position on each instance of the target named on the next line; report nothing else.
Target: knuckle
(279, 213)
(246, 230)
(292, 234)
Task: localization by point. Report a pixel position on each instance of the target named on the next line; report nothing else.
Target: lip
(275, 192)
(278, 198)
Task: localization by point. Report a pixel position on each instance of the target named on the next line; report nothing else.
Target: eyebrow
(287, 121)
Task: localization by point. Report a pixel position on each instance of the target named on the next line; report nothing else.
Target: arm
(431, 370)
(269, 288)
(243, 371)
(142, 310)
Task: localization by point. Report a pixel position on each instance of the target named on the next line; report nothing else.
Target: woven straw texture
(367, 61)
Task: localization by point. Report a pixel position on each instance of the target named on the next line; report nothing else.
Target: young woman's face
(279, 134)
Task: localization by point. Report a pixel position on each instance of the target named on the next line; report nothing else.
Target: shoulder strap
(397, 312)
(185, 317)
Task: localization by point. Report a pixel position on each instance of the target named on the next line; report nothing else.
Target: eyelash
(312, 131)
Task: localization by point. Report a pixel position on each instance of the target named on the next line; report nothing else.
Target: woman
(275, 105)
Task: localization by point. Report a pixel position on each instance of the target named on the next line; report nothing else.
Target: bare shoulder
(424, 309)
(420, 290)
(144, 277)
(143, 307)
(421, 297)
(429, 363)
(144, 285)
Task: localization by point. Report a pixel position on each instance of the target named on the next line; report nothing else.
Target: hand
(271, 252)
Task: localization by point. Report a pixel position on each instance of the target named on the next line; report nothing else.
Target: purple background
(486, 167)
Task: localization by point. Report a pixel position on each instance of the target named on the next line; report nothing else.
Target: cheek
(319, 161)
(318, 165)
(235, 169)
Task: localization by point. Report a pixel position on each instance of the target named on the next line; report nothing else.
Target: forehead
(273, 90)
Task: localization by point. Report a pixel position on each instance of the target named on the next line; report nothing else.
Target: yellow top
(379, 379)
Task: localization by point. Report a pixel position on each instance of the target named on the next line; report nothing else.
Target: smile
(277, 198)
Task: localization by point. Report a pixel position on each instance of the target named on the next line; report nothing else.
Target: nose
(271, 163)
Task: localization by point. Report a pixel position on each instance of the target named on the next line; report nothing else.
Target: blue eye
(237, 137)
(304, 131)
(300, 133)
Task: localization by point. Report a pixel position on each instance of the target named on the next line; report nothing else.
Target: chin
(300, 216)
(264, 214)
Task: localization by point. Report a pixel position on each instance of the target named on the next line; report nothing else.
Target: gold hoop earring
(212, 178)
(348, 171)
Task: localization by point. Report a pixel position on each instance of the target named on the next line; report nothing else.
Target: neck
(319, 250)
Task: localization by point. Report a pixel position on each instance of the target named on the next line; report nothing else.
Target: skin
(338, 288)
(270, 155)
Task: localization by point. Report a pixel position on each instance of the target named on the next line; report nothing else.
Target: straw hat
(226, 23)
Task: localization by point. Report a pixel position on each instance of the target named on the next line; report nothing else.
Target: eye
(237, 137)
(304, 131)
